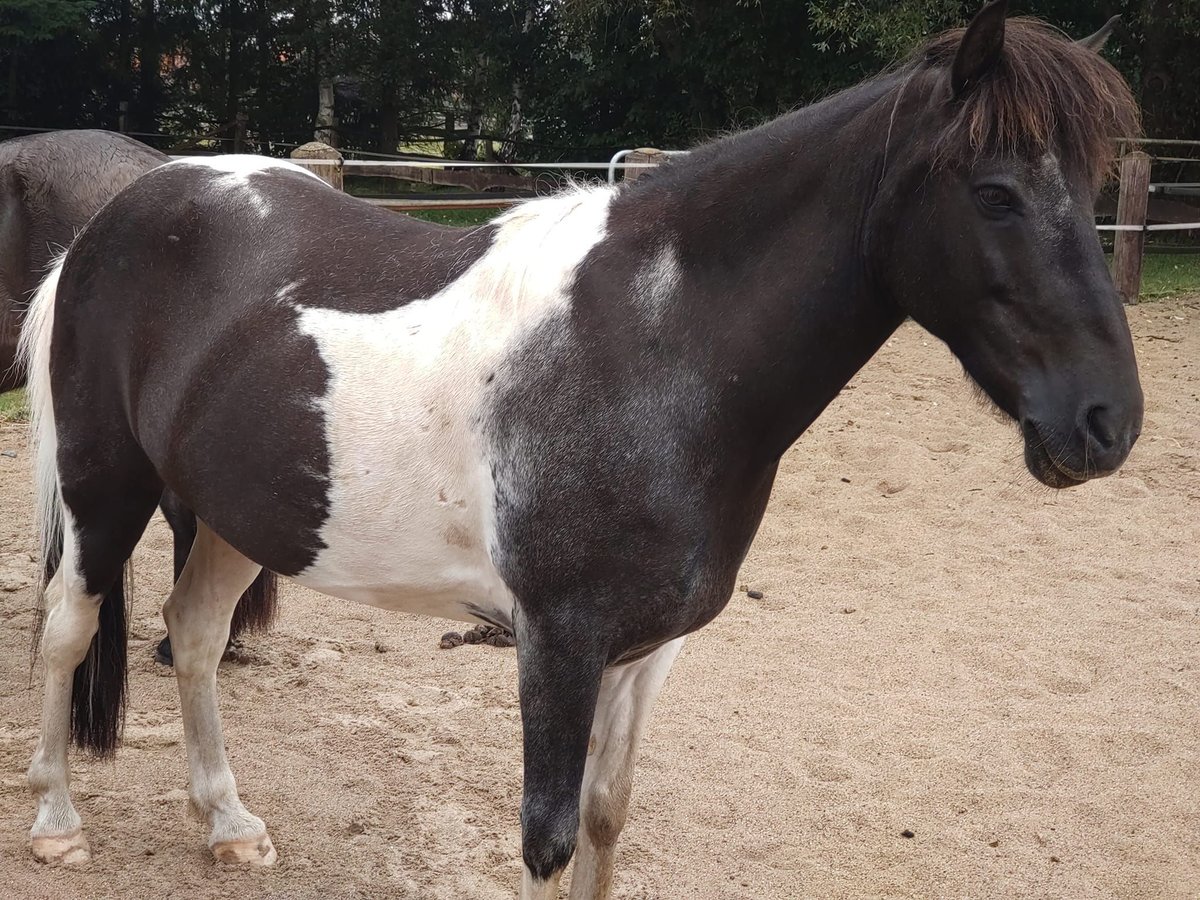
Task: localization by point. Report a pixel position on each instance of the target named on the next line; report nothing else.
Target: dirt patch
(955, 683)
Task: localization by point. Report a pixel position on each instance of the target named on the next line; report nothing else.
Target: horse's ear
(1097, 41)
(981, 47)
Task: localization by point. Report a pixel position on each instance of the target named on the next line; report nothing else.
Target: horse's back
(197, 310)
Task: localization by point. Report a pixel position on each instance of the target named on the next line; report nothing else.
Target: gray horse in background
(50, 186)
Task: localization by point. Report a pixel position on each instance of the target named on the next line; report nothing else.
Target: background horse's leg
(254, 612)
(183, 533)
(198, 613)
(559, 670)
(183, 528)
(627, 695)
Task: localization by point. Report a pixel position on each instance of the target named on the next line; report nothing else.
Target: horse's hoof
(257, 851)
(162, 653)
(62, 849)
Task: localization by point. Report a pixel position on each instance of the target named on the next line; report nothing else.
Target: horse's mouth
(1044, 467)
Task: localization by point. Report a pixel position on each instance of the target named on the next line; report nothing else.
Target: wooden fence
(1134, 206)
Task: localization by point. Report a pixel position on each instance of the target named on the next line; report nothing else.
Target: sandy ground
(1010, 673)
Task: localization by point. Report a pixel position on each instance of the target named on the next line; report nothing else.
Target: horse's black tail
(257, 607)
(102, 679)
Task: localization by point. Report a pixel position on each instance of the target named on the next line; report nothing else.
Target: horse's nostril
(1102, 428)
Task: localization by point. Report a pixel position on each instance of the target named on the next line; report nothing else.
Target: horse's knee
(604, 813)
(548, 832)
(68, 630)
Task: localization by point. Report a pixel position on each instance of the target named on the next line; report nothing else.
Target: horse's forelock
(1047, 94)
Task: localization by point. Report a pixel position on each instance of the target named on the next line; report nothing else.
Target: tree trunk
(262, 36)
(149, 63)
(233, 68)
(470, 147)
(124, 53)
(516, 120)
(326, 131)
(14, 68)
(389, 121)
(448, 140)
(1158, 27)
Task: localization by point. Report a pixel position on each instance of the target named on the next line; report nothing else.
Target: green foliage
(514, 79)
(36, 20)
(889, 28)
(1156, 45)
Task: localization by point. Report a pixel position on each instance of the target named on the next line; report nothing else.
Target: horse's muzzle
(1096, 445)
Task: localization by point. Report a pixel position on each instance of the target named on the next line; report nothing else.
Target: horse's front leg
(198, 613)
(627, 695)
(559, 669)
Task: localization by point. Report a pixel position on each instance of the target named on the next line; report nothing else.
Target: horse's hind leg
(627, 695)
(198, 613)
(84, 688)
(71, 620)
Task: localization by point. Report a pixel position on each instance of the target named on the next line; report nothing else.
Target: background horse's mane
(1047, 94)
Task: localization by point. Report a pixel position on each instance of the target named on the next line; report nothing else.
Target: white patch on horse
(284, 294)
(235, 171)
(1053, 196)
(241, 165)
(654, 285)
(411, 522)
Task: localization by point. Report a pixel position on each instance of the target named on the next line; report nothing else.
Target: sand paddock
(944, 647)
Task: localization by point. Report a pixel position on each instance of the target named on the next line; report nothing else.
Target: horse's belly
(445, 588)
(410, 499)
(409, 543)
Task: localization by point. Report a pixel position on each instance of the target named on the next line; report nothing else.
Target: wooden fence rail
(1128, 244)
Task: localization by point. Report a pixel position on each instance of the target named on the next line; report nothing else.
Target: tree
(1156, 48)
(25, 22)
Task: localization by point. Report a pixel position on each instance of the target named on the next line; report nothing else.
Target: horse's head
(986, 214)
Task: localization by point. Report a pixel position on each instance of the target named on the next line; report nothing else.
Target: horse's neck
(772, 281)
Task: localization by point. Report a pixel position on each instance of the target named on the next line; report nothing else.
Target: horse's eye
(995, 197)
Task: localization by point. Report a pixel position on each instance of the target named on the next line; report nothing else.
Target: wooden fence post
(1131, 210)
(240, 123)
(331, 174)
(643, 156)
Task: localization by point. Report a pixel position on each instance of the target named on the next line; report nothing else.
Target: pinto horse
(50, 186)
(568, 420)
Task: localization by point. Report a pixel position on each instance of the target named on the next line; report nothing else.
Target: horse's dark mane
(1047, 94)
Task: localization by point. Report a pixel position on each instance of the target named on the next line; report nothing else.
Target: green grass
(457, 216)
(14, 407)
(1168, 274)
